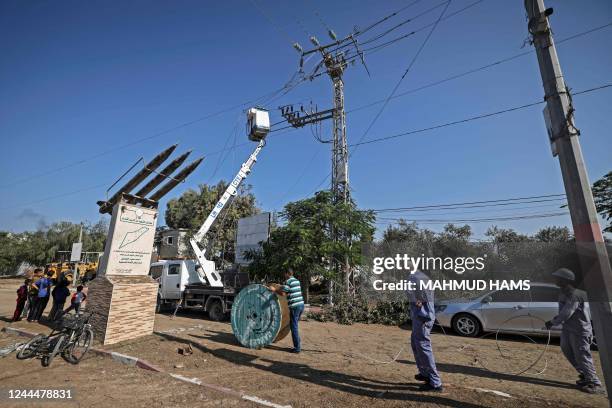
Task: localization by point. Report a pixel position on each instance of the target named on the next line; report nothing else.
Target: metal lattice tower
(335, 63)
(340, 179)
(340, 182)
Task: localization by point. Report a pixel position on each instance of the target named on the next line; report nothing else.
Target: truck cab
(173, 276)
(182, 285)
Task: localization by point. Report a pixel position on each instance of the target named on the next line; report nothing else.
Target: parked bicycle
(71, 339)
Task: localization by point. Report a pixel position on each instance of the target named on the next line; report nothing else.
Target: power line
(466, 120)
(455, 76)
(472, 118)
(382, 20)
(298, 179)
(54, 197)
(286, 87)
(472, 204)
(401, 24)
(397, 85)
(479, 220)
(424, 27)
(435, 211)
(223, 157)
(277, 27)
(478, 69)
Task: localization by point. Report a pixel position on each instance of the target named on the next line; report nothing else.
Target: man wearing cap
(577, 333)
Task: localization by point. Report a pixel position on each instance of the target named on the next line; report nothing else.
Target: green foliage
(40, 247)
(306, 241)
(602, 193)
(501, 235)
(193, 207)
(553, 234)
(358, 310)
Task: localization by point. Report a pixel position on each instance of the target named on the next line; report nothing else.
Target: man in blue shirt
(43, 285)
(293, 290)
(423, 316)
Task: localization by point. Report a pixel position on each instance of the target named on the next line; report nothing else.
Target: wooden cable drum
(259, 316)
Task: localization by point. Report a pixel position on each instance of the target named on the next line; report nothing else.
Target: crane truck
(196, 283)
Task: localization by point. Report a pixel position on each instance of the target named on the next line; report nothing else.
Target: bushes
(359, 310)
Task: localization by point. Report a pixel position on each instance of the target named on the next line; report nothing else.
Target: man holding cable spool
(293, 290)
(577, 332)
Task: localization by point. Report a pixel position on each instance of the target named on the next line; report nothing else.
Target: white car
(507, 311)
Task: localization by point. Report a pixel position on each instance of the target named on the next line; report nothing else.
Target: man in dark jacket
(59, 293)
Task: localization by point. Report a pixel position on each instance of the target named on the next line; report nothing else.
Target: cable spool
(259, 317)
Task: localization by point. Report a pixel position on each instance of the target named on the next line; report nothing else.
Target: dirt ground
(339, 366)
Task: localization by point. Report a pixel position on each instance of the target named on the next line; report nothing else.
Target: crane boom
(212, 276)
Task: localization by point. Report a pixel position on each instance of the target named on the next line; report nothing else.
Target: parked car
(507, 311)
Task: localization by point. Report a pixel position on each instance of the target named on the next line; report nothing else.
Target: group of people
(574, 318)
(34, 295)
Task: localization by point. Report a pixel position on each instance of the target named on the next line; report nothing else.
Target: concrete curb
(145, 365)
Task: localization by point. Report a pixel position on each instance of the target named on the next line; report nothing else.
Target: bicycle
(71, 340)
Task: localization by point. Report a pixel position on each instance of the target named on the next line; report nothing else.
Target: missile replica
(182, 175)
(106, 207)
(162, 175)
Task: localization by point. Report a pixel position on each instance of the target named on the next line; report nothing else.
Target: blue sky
(80, 78)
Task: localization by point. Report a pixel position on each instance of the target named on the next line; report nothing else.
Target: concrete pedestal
(124, 307)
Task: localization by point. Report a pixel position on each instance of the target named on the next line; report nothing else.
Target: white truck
(195, 283)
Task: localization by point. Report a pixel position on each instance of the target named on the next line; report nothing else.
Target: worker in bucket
(423, 316)
(577, 333)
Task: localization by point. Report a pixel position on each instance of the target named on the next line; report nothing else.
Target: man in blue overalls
(577, 332)
(423, 317)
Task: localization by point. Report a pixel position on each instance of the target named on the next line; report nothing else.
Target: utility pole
(334, 61)
(594, 261)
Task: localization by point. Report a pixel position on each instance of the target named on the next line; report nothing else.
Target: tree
(553, 234)
(42, 246)
(602, 193)
(306, 242)
(193, 207)
(502, 235)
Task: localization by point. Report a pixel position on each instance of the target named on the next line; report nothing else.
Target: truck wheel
(215, 312)
(159, 306)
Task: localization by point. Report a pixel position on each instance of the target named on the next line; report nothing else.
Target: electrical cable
(395, 27)
(466, 120)
(548, 206)
(473, 118)
(410, 65)
(222, 157)
(476, 204)
(478, 69)
(476, 220)
(382, 20)
(279, 28)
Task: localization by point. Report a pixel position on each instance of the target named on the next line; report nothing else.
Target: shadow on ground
(352, 384)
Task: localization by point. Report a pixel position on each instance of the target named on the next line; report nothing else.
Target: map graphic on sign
(132, 236)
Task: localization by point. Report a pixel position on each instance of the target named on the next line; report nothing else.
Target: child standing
(22, 297)
(76, 300)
